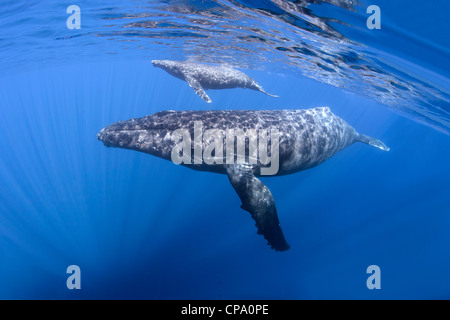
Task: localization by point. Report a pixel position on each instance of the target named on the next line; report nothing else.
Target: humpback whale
(202, 77)
(305, 139)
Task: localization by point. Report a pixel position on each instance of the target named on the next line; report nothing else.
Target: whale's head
(122, 134)
(164, 64)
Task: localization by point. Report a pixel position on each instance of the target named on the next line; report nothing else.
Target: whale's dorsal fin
(197, 87)
(258, 200)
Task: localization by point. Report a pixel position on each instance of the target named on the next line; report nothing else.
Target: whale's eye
(138, 145)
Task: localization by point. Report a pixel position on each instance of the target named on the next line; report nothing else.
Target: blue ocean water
(143, 228)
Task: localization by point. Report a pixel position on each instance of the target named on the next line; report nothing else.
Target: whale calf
(202, 77)
(304, 139)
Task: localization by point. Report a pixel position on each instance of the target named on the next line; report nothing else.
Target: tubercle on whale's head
(157, 63)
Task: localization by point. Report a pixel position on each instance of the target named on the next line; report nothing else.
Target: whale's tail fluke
(255, 86)
(372, 141)
(271, 95)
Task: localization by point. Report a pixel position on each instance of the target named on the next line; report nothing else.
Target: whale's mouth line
(105, 132)
(126, 130)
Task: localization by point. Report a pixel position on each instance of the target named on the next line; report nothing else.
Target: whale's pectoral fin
(257, 199)
(197, 88)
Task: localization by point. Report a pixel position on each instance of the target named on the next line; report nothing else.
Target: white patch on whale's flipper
(195, 84)
(258, 200)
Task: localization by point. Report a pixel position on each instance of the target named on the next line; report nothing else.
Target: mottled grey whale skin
(306, 139)
(202, 77)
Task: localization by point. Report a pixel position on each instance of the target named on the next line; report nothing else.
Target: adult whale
(202, 77)
(303, 139)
